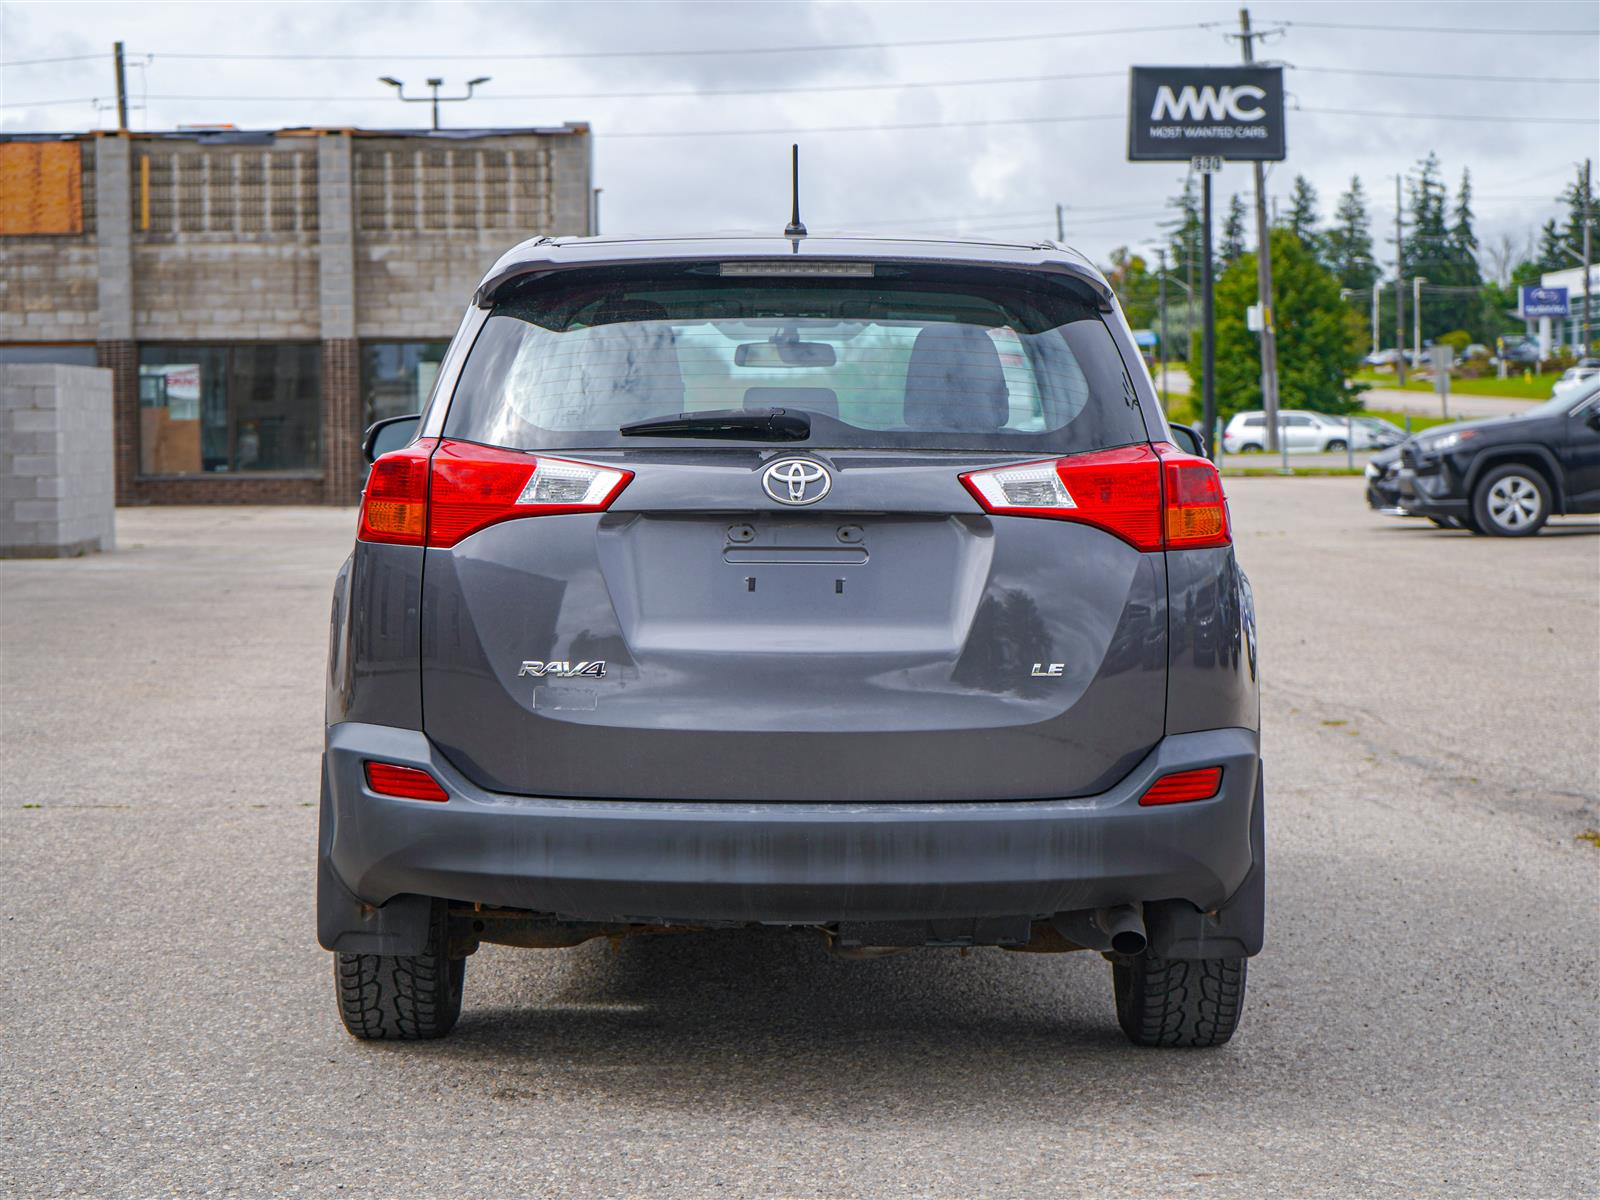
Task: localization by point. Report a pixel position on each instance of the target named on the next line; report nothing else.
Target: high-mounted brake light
(408, 783)
(467, 487)
(1150, 497)
(1200, 784)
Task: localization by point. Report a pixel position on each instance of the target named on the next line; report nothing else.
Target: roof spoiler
(1082, 274)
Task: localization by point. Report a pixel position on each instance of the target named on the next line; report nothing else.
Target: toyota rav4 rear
(855, 586)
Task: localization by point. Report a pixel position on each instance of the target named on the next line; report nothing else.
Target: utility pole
(1399, 293)
(1269, 337)
(1161, 333)
(1061, 224)
(122, 89)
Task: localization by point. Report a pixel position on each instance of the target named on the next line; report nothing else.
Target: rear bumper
(789, 864)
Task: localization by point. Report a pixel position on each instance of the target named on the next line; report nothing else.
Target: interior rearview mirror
(1188, 439)
(389, 434)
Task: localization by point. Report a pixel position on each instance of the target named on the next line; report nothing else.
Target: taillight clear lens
(394, 504)
(1115, 490)
(477, 486)
(1152, 497)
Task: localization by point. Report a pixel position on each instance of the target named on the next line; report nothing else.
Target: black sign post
(1206, 115)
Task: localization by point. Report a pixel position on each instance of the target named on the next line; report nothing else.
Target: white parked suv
(1305, 433)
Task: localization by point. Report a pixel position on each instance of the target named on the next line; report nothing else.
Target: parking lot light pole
(435, 99)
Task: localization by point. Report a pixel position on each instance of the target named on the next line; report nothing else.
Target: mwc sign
(1187, 112)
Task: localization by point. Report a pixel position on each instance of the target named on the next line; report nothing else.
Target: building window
(62, 352)
(396, 377)
(242, 408)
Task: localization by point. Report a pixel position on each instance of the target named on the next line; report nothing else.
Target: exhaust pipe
(1123, 924)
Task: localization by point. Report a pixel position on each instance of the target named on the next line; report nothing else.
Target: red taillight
(406, 782)
(469, 487)
(1196, 510)
(394, 504)
(1115, 490)
(1150, 497)
(1201, 784)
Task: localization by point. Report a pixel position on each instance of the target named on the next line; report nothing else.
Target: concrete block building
(260, 298)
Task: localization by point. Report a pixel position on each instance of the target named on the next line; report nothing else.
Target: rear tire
(1192, 1002)
(1511, 501)
(402, 997)
(1249, 448)
(1336, 446)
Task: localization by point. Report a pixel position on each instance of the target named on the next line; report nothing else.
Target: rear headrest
(824, 401)
(638, 363)
(954, 381)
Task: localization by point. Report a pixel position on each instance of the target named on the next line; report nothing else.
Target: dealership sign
(1544, 302)
(1182, 112)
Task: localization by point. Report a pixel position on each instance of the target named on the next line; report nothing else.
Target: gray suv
(855, 586)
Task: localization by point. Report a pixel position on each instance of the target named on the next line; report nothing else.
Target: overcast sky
(1001, 178)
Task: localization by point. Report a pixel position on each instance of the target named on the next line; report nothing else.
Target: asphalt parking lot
(1424, 1019)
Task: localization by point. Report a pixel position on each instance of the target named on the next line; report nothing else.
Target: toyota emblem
(796, 481)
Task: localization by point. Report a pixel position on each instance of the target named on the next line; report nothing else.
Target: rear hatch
(705, 532)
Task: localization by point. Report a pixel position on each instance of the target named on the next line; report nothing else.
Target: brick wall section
(122, 358)
(343, 471)
(57, 488)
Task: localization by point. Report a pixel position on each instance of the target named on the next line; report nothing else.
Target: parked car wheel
(402, 997)
(1178, 1002)
(1250, 448)
(1511, 501)
(1335, 446)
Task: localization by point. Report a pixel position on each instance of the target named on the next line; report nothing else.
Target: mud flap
(347, 924)
(1177, 929)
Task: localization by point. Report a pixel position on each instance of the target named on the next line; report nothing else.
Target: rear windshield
(899, 358)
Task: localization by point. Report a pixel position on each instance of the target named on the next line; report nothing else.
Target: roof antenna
(794, 228)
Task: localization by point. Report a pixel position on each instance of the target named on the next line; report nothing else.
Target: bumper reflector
(406, 782)
(1201, 784)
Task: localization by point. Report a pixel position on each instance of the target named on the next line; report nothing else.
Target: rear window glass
(902, 358)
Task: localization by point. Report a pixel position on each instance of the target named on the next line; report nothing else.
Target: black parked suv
(849, 585)
(1506, 475)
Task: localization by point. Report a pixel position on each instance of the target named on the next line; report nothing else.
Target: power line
(698, 52)
(1474, 78)
(1437, 29)
(1366, 112)
(788, 130)
(37, 62)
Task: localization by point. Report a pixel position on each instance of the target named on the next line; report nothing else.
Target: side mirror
(1188, 439)
(389, 434)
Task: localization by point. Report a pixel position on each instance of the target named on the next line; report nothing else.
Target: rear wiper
(733, 424)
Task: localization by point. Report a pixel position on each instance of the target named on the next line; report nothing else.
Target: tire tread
(1179, 1002)
(401, 997)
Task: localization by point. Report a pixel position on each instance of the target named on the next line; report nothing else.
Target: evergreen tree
(1233, 239)
(1183, 250)
(1347, 246)
(1573, 197)
(1302, 218)
(1314, 346)
(1551, 255)
(1461, 232)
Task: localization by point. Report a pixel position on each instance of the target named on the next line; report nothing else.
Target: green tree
(1573, 197)
(1551, 255)
(1347, 246)
(1314, 339)
(1136, 288)
(1302, 218)
(1183, 249)
(1233, 240)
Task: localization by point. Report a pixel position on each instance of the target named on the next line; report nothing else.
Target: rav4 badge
(562, 668)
